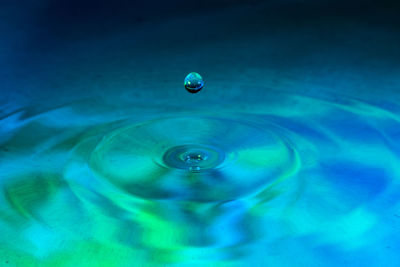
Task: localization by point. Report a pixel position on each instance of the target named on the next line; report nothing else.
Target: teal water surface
(321, 187)
(289, 155)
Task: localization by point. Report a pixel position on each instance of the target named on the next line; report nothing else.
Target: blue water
(299, 119)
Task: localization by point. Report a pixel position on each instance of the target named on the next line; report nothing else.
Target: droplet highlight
(194, 82)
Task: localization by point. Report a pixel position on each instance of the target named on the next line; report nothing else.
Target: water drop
(193, 157)
(193, 82)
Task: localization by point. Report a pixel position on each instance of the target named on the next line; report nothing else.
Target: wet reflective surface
(288, 157)
(319, 183)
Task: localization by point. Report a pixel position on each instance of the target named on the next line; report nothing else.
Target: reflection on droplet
(194, 82)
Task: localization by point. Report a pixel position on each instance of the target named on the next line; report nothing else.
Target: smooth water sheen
(281, 185)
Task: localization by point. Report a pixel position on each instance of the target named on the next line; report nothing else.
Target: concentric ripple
(313, 177)
(191, 158)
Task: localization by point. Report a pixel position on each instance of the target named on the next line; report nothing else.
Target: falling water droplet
(194, 82)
